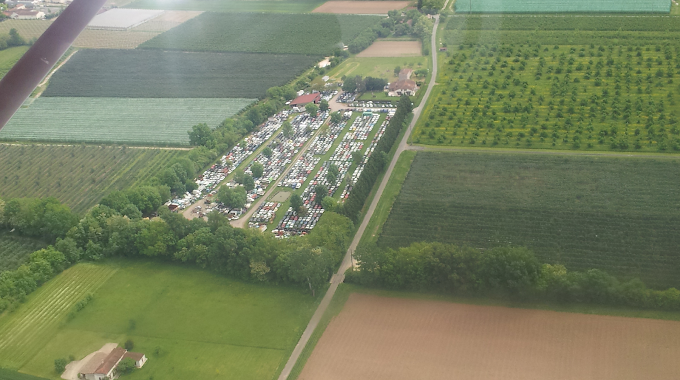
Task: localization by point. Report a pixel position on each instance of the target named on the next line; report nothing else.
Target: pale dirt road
(347, 260)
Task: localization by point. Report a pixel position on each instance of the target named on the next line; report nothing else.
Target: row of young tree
(377, 162)
(214, 244)
(506, 271)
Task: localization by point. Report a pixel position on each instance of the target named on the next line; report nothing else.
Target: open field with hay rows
(24, 332)
(14, 249)
(117, 120)
(274, 6)
(78, 176)
(311, 34)
(189, 322)
(620, 215)
(588, 97)
(9, 57)
(170, 74)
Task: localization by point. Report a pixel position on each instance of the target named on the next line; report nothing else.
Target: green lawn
(611, 213)
(286, 6)
(377, 67)
(9, 57)
(189, 322)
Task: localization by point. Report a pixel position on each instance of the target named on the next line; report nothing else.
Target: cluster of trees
(359, 84)
(44, 218)
(12, 39)
(412, 23)
(241, 253)
(376, 163)
(508, 271)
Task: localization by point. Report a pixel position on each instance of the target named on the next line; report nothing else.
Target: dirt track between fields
(390, 49)
(360, 7)
(393, 338)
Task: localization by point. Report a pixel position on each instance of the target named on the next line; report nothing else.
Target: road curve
(347, 260)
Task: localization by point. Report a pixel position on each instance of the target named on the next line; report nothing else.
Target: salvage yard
(443, 340)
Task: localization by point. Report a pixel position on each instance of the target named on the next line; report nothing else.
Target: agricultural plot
(443, 340)
(14, 250)
(112, 39)
(575, 6)
(25, 332)
(27, 29)
(9, 57)
(233, 330)
(161, 74)
(376, 67)
(588, 97)
(274, 6)
(122, 19)
(117, 120)
(392, 49)
(311, 34)
(360, 7)
(166, 21)
(616, 214)
(78, 176)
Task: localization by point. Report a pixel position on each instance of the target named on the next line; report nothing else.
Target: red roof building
(306, 99)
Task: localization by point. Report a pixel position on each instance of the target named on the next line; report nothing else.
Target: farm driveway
(347, 261)
(73, 368)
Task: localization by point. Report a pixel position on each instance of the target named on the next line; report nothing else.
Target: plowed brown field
(392, 49)
(360, 7)
(393, 338)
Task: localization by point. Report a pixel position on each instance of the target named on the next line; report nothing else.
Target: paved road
(347, 260)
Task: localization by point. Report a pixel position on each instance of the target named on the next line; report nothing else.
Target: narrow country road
(347, 260)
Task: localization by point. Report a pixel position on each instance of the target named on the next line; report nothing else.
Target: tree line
(214, 244)
(501, 271)
(376, 163)
(11, 39)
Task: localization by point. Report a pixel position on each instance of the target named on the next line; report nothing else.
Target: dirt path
(347, 260)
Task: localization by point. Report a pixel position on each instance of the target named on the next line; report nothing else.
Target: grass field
(588, 97)
(360, 7)
(169, 74)
(79, 176)
(574, 6)
(444, 340)
(202, 325)
(377, 67)
(311, 34)
(118, 120)
(287, 6)
(615, 214)
(9, 57)
(27, 29)
(14, 249)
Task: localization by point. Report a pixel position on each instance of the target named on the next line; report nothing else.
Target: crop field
(14, 250)
(79, 176)
(620, 215)
(574, 6)
(392, 49)
(9, 57)
(27, 29)
(588, 97)
(444, 340)
(112, 39)
(117, 120)
(170, 74)
(311, 34)
(274, 6)
(166, 21)
(25, 332)
(360, 7)
(232, 330)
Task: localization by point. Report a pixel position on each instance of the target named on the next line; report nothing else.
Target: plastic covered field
(560, 6)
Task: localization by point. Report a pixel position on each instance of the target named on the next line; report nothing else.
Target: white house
(102, 366)
(402, 87)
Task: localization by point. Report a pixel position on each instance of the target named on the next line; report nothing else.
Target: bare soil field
(360, 7)
(395, 338)
(392, 49)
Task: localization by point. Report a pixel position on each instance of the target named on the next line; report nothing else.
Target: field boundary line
(47, 78)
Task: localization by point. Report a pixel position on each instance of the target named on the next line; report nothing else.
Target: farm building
(402, 87)
(306, 99)
(102, 366)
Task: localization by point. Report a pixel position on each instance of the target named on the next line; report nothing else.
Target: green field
(377, 67)
(276, 6)
(620, 215)
(311, 34)
(573, 6)
(161, 74)
(189, 322)
(9, 57)
(78, 176)
(14, 250)
(160, 121)
(588, 97)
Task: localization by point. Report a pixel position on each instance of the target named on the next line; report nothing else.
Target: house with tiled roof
(102, 366)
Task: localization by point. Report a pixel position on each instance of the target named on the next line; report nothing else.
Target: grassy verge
(6, 374)
(388, 197)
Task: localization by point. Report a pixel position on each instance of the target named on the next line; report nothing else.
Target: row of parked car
(264, 215)
(294, 224)
(346, 97)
